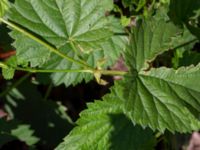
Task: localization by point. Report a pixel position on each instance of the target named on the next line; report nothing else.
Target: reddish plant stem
(5, 55)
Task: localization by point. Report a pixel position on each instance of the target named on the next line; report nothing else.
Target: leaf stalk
(48, 46)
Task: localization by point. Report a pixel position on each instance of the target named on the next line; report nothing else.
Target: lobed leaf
(189, 58)
(186, 12)
(46, 118)
(79, 29)
(149, 40)
(103, 126)
(12, 130)
(161, 98)
(182, 10)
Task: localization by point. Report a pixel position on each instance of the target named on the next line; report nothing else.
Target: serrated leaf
(160, 98)
(191, 40)
(79, 23)
(111, 50)
(103, 126)
(8, 72)
(68, 23)
(12, 130)
(24, 133)
(61, 21)
(56, 62)
(29, 50)
(48, 119)
(148, 40)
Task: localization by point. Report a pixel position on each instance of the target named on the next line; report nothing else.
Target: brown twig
(4, 55)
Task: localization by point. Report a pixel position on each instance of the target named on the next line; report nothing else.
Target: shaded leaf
(189, 58)
(48, 119)
(186, 12)
(5, 39)
(182, 10)
(103, 126)
(12, 130)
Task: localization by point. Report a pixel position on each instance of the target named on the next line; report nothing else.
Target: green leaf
(186, 12)
(111, 50)
(68, 23)
(12, 130)
(103, 126)
(48, 119)
(76, 33)
(178, 58)
(160, 98)
(182, 10)
(8, 72)
(63, 21)
(3, 7)
(141, 4)
(148, 41)
(29, 50)
(188, 58)
(24, 133)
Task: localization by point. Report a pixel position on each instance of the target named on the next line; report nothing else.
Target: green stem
(112, 72)
(87, 68)
(186, 43)
(73, 47)
(17, 83)
(75, 51)
(32, 70)
(48, 46)
(103, 72)
(51, 71)
(48, 91)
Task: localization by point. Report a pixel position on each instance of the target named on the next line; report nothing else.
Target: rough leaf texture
(148, 40)
(79, 28)
(103, 127)
(161, 98)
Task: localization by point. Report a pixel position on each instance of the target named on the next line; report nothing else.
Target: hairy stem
(34, 70)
